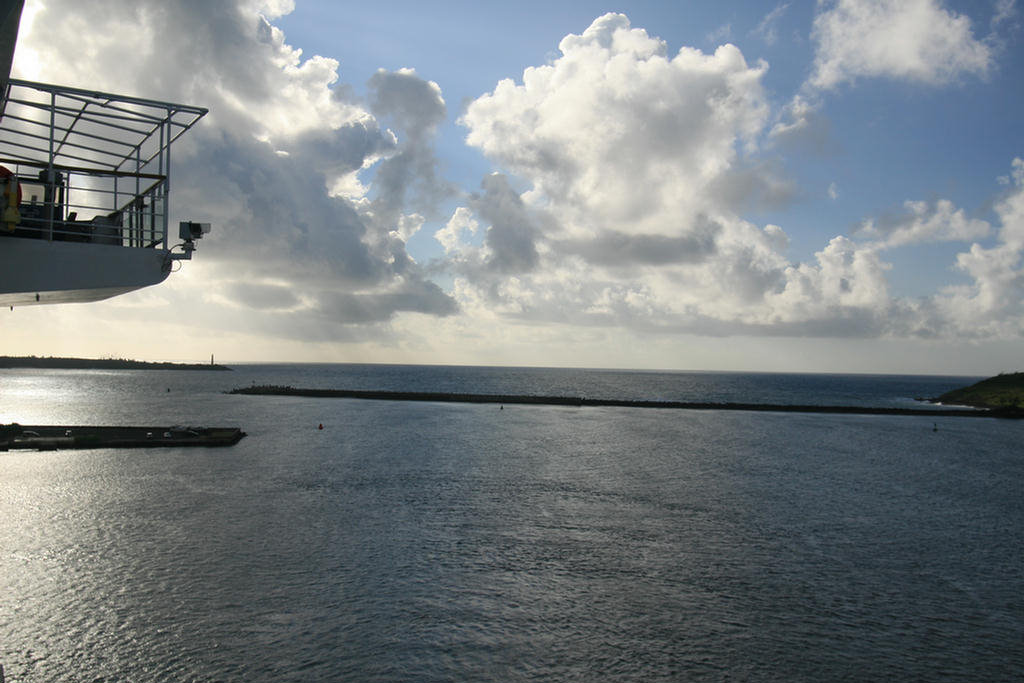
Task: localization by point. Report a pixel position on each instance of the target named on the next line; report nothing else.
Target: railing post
(50, 174)
(164, 169)
(137, 236)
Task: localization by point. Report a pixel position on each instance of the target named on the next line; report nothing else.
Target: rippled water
(447, 542)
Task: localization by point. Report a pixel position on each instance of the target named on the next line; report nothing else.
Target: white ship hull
(35, 271)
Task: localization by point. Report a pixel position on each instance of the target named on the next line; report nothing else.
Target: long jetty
(50, 437)
(513, 399)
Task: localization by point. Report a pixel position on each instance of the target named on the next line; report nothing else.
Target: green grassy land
(1001, 391)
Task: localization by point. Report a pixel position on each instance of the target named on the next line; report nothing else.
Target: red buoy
(321, 426)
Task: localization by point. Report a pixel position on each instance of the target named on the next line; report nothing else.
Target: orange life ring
(5, 175)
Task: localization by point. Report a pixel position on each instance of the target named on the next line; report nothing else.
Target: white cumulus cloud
(923, 222)
(915, 40)
(633, 158)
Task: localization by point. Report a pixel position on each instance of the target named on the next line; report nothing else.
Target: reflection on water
(438, 542)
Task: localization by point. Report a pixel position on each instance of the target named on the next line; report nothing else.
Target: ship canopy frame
(85, 181)
(108, 153)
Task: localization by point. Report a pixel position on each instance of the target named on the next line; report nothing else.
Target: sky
(830, 186)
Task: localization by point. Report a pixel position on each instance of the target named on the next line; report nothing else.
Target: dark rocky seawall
(511, 399)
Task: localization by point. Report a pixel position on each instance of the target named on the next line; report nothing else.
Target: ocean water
(455, 542)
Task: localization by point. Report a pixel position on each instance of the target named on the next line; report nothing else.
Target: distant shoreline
(1005, 391)
(512, 399)
(100, 364)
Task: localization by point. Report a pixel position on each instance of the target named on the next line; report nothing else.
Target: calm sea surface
(453, 542)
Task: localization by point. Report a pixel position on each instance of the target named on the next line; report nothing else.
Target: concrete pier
(50, 437)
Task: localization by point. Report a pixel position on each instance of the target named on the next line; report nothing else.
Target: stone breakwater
(514, 399)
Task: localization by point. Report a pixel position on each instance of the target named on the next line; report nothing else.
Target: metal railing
(88, 206)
